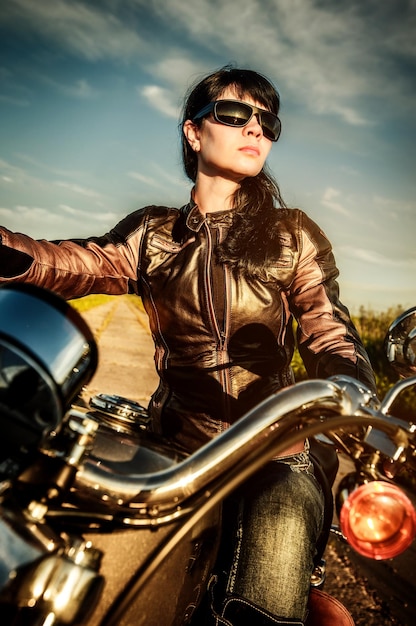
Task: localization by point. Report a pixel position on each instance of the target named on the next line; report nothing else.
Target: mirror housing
(400, 344)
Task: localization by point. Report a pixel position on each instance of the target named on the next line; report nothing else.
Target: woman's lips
(250, 150)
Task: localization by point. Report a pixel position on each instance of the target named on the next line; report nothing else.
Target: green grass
(90, 302)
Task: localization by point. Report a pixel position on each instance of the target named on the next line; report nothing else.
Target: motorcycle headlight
(377, 519)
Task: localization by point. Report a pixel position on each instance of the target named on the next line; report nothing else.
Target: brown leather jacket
(222, 342)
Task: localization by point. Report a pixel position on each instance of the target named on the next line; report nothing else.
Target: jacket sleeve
(76, 267)
(328, 341)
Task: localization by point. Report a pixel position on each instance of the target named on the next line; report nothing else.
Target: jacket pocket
(167, 245)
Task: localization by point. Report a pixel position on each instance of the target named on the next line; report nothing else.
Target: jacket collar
(195, 219)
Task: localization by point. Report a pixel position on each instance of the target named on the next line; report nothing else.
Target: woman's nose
(253, 127)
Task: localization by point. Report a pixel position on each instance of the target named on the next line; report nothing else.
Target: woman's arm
(75, 268)
(328, 341)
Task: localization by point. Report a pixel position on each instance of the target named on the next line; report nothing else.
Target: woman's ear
(192, 134)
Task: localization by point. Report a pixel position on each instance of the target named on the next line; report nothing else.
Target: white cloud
(373, 257)
(330, 200)
(7, 213)
(35, 214)
(55, 223)
(326, 55)
(107, 217)
(162, 176)
(90, 193)
(18, 176)
(9, 168)
(80, 89)
(18, 102)
(26, 183)
(172, 180)
(162, 99)
(179, 72)
(45, 166)
(70, 210)
(395, 208)
(86, 30)
(348, 114)
(147, 180)
(178, 69)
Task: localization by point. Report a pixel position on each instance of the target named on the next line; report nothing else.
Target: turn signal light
(378, 520)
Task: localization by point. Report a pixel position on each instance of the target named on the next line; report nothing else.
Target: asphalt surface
(375, 593)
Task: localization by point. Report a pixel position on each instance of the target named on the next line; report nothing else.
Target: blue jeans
(279, 520)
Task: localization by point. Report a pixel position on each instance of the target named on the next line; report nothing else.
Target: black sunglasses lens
(233, 113)
(238, 114)
(271, 126)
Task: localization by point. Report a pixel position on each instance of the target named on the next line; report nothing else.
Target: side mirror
(47, 353)
(400, 344)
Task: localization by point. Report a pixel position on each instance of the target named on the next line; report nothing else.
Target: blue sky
(91, 92)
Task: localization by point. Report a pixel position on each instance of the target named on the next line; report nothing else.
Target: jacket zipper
(220, 331)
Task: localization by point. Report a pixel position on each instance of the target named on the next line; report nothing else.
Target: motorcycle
(103, 523)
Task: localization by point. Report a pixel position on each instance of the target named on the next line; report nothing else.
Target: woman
(220, 279)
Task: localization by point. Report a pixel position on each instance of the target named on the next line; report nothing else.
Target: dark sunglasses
(236, 113)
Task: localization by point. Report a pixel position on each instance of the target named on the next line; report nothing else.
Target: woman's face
(228, 151)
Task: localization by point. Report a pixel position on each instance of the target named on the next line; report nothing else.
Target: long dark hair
(252, 242)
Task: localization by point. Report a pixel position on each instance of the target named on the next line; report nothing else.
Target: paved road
(125, 366)
(377, 594)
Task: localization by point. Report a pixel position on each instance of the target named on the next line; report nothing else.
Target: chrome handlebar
(216, 469)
